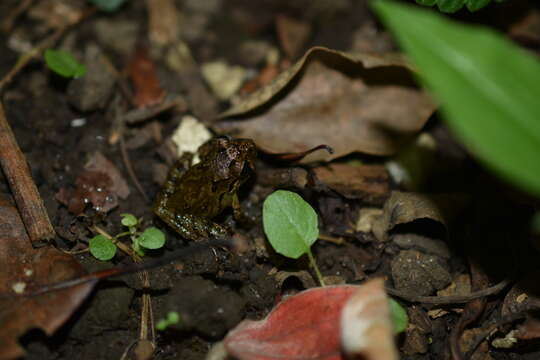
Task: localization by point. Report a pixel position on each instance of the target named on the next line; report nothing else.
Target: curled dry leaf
(352, 102)
(405, 208)
(100, 183)
(305, 326)
(25, 268)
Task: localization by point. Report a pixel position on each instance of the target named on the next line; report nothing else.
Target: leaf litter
(22, 269)
(352, 102)
(349, 76)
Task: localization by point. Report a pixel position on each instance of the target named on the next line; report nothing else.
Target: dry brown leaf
(369, 183)
(529, 330)
(163, 22)
(528, 28)
(351, 102)
(292, 34)
(142, 72)
(25, 268)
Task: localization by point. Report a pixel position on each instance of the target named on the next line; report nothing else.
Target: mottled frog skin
(191, 198)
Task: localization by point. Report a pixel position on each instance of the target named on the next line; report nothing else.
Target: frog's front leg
(240, 216)
(173, 179)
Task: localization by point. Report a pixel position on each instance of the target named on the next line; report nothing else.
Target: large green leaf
(489, 89)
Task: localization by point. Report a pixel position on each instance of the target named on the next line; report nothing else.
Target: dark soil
(215, 289)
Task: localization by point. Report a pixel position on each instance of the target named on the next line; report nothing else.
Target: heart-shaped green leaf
(290, 223)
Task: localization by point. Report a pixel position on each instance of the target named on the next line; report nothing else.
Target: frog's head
(229, 157)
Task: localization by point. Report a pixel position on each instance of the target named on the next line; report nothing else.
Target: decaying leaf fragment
(99, 184)
(309, 326)
(352, 102)
(23, 268)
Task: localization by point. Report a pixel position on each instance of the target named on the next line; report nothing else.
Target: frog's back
(198, 195)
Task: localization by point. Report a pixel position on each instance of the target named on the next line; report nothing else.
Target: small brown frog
(190, 198)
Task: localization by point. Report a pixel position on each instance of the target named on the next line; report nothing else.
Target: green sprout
(104, 248)
(172, 318)
(291, 226)
(399, 316)
(63, 63)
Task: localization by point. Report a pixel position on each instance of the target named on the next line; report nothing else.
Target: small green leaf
(172, 318)
(129, 220)
(450, 6)
(152, 238)
(137, 246)
(399, 316)
(162, 324)
(290, 223)
(102, 248)
(108, 5)
(495, 112)
(474, 5)
(64, 64)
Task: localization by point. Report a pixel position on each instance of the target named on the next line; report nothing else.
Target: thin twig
(8, 23)
(485, 331)
(452, 299)
(332, 239)
(36, 51)
(129, 168)
(147, 316)
(119, 244)
(17, 172)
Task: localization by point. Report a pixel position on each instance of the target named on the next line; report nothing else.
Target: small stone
(253, 53)
(189, 135)
(422, 243)
(507, 342)
(366, 219)
(417, 273)
(223, 79)
(415, 342)
(119, 35)
(91, 91)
